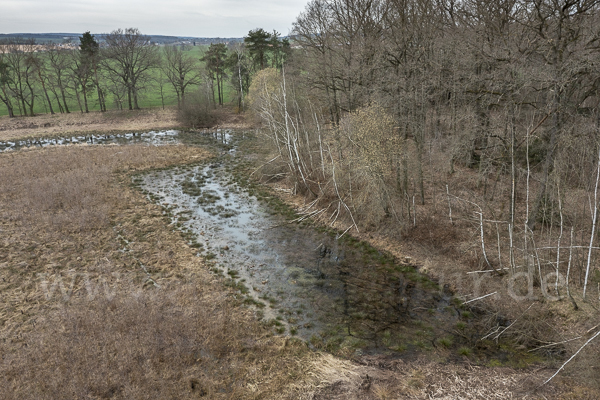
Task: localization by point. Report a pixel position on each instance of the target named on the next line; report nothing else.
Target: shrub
(196, 112)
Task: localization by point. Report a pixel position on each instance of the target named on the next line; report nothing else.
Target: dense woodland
(479, 114)
(471, 128)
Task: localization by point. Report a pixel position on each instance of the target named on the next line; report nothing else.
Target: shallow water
(277, 264)
(304, 282)
(153, 137)
(335, 293)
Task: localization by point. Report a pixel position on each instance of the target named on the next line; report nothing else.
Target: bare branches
(181, 69)
(131, 56)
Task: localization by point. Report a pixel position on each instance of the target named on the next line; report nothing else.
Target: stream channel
(338, 294)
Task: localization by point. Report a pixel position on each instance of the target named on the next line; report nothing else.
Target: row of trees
(126, 65)
(54, 75)
(387, 97)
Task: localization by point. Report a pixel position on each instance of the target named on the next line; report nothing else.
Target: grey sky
(200, 18)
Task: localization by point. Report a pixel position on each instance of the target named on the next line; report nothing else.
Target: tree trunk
(78, 100)
(46, 93)
(219, 89)
(6, 101)
(99, 90)
(129, 99)
(85, 102)
(556, 119)
(135, 99)
(60, 107)
(63, 95)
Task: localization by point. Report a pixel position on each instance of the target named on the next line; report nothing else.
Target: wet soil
(152, 137)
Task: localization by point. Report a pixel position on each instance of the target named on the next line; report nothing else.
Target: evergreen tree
(89, 56)
(88, 46)
(258, 43)
(215, 59)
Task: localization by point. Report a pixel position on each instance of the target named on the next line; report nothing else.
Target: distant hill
(74, 37)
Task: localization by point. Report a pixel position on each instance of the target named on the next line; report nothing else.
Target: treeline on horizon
(67, 38)
(125, 66)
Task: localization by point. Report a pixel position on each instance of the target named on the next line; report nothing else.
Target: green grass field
(149, 98)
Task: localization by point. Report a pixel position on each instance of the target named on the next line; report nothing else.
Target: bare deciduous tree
(181, 69)
(130, 56)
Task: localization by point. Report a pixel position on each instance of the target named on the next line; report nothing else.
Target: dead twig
(505, 329)
(572, 357)
(479, 298)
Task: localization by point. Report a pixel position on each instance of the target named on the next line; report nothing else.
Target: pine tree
(258, 43)
(89, 56)
(215, 59)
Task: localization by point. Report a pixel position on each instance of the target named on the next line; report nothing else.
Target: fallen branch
(449, 205)
(572, 357)
(305, 216)
(554, 344)
(479, 298)
(487, 270)
(490, 334)
(304, 210)
(268, 162)
(350, 227)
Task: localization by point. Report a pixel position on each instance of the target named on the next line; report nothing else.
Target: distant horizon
(106, 33)
(186, 18)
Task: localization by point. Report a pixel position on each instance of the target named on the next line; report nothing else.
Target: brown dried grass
(128, 339)
(58, 208)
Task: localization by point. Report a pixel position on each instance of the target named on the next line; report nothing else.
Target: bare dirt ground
(68, 215)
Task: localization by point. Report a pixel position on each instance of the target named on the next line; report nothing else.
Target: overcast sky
(200, 18)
